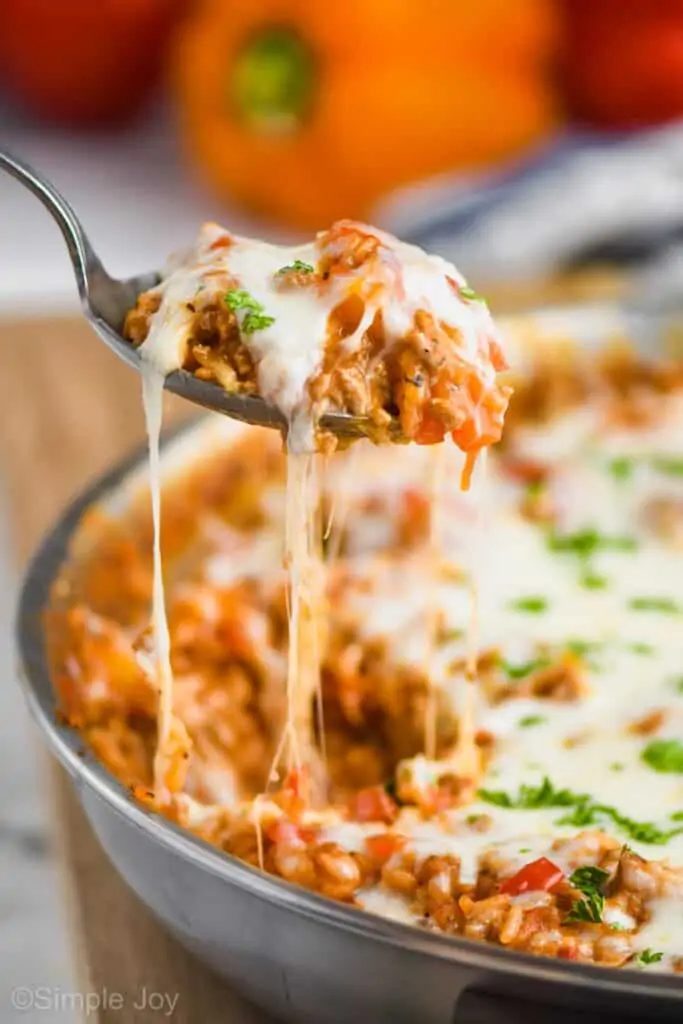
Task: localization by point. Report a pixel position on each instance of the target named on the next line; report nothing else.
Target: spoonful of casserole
(353, 334)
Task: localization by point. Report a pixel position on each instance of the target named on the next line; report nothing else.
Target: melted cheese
(288, 349)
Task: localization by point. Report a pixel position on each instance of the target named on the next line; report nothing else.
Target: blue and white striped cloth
(580, 194)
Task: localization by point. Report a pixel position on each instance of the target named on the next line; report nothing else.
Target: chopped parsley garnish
(590, 882)
(621, 467)
(533, 605)
(676, 816)
(640, 648)
(532, 797)
(664, 756)
(668, 464)
(648, 956)
(297, 265)
(469, 293)
(667, 605)
(591, 581)
(524, 668)
(530, 720)
(255, 317)
(588, 813)
(616, 766)
(583, 647)
(584, 811)
(585, 543)
(525, 849)
(677, 683)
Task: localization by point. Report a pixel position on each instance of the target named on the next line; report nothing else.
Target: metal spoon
(106, 301)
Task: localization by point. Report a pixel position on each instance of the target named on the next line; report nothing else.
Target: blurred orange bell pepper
(84, 63)
(308, 111)
(623, 61)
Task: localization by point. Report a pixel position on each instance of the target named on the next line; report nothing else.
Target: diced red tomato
(568, 953)
(430, 431)
(287, 833)
(525, 470)
(539, 876)
(436, 799)
(296, 781)
(373, 804)
(382, 847)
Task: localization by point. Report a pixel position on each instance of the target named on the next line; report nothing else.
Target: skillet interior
(114, 491)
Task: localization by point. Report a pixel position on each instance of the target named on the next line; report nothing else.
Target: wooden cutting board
(70, 408)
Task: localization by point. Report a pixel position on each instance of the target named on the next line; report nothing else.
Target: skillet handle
(477, 1007)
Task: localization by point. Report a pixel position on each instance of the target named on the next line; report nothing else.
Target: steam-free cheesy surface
(571, 844)
(357, 322)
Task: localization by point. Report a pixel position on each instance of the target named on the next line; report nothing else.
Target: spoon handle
(86, 263)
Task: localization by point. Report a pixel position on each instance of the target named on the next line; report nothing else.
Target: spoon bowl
(106, 300)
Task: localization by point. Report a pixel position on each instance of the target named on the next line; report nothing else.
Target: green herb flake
(255, 318)
(586, 813)
(583, 647)
(666, 605)
(533, 605)
(637, 647)
(469, 293)
(676, 816)
(665, 756)
(616, 926)
(524, 668)
(524, 849)
(621, 467)
(529, 720)
(677, 683)
(591, 581)
(648, 956)
(585, 543)
(590, 882)
(616, 766)
(298, 266)
(533, 797)
(670, 465)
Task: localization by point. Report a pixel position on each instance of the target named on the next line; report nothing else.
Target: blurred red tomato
(623, 61)
(84, 63)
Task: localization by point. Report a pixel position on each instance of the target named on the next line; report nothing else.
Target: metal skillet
(299, 956)
(305, 959)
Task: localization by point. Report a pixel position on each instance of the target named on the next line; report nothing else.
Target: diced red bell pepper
(430, 431)
(296, 781)
(382, 847)
(373, 804)
(539, 876)
(284, 832)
